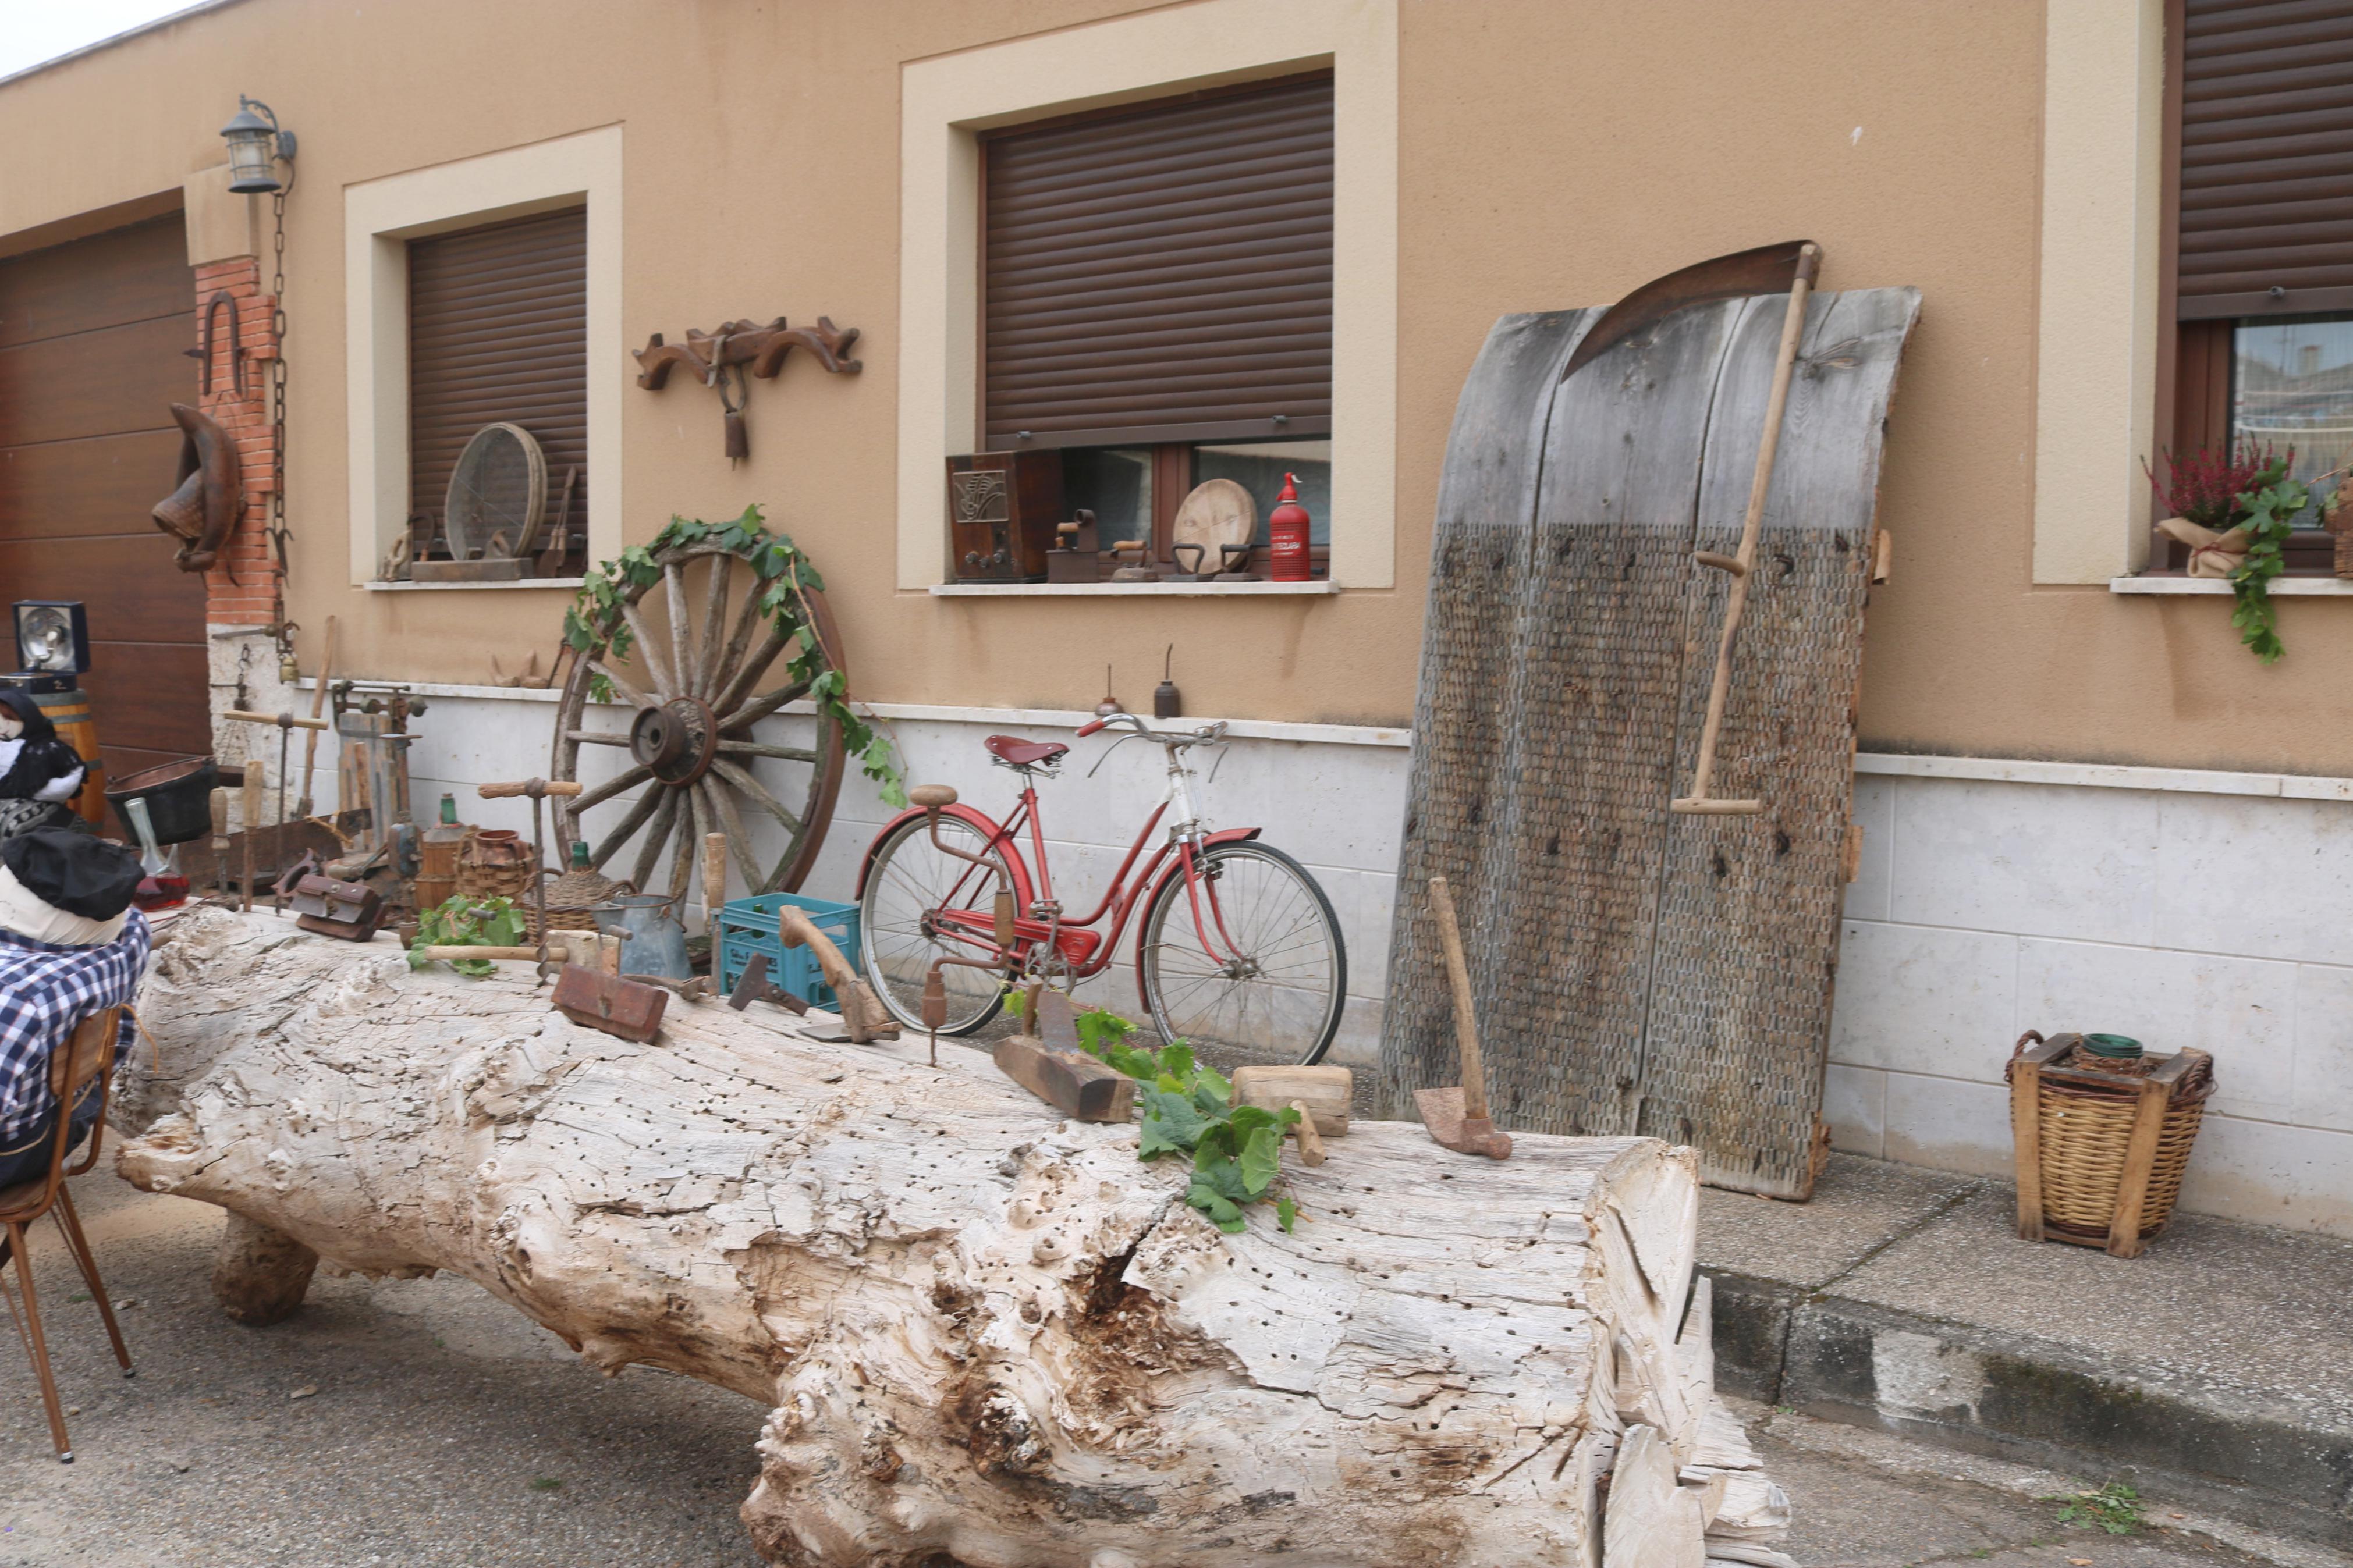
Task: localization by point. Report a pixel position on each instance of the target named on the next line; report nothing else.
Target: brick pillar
(249, 599)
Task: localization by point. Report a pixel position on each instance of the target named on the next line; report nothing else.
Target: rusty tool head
(1768, 270)
(1443, 1116)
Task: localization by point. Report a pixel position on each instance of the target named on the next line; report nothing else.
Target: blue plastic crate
(747, 926)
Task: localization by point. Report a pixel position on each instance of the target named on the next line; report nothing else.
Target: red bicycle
(1238, 948)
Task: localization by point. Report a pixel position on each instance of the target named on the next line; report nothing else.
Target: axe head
(1441, 1113)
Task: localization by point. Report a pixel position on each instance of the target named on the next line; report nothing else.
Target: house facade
(2083, 804)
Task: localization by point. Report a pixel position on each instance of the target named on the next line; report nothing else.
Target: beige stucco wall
(1549, 154)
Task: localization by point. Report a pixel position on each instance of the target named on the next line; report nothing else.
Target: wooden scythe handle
(1466, 1021)
(1742, 567)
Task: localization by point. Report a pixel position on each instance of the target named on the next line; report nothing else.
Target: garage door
(92, 337)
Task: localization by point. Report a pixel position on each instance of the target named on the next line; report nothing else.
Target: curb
(1978, 1390)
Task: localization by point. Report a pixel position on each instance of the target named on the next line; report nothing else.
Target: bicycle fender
(981, 822)
(1175, 867)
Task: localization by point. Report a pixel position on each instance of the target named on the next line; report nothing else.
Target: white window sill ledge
(2319, 587)
(1128, 590)
(473, 587)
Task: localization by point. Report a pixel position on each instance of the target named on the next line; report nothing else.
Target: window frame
(2195, 366)
(380, 216)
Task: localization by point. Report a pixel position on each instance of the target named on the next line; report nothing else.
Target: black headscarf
(27, 707)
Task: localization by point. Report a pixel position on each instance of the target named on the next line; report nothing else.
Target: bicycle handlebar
(1206, 733)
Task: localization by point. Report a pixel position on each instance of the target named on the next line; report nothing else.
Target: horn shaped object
(204, 508)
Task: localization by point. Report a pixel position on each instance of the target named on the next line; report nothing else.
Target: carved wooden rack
(745, 346)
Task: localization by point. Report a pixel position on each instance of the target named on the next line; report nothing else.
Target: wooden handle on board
(220, 818)
(556, 949)
(275, 720)
(1466, 1023)
(257, 782)
(318, 707)
(546, 786)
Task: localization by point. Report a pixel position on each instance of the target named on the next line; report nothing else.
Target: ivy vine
(2267, 509)
(593, 625)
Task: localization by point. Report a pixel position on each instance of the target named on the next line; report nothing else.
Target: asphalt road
(420, 1423)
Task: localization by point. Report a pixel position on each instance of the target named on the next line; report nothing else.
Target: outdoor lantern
(255, 144)
(52, 638)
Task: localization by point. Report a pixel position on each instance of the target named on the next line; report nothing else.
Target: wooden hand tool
(628, 1008)
(753, 985)
(1457, 1118)
(256, 781)
(538, 790)
(714, 885)
(220, 843)
(318, 709)
(1743, 565)
(861, 1011)
(1328, 1092)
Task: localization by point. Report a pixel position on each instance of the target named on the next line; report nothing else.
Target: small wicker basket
(2101, 1144)
(570, 897)
(495, 863)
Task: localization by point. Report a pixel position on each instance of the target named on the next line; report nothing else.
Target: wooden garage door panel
(130, 275)
(107, 484)
(133, 592)
(149, 697)
(102, 383)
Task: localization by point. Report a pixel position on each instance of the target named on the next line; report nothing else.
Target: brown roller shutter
(2266, 158)
(497, 329)
(1163, 274)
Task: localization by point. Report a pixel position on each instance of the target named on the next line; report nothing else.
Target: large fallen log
(991, 1337)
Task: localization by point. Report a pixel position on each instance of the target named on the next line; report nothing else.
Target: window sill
(1128, 590)
(2319, 587)
(472, 587)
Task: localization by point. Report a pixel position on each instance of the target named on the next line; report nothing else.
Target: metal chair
(86, 1057)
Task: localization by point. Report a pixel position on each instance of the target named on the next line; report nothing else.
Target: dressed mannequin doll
(39, 774)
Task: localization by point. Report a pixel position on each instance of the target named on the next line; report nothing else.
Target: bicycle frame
(1038, 922)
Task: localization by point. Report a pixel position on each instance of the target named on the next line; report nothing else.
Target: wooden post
(257, 779)
(714, 885)
(2026, 1134)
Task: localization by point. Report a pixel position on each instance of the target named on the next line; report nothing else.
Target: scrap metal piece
(1768, 270)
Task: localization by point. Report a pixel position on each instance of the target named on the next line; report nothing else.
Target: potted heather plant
(2234, 510)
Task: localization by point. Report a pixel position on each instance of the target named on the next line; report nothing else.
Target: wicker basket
(570, 897)
(494, 863)
(2101, 1146)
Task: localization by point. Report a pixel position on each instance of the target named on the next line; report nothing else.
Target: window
(2262, 183)
(497, 332)
(1158, 302)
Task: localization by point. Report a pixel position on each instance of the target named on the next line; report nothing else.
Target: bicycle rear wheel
(907, 878)
(1268, 977)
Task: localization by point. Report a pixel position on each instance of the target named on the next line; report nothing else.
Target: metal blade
(1768, 270)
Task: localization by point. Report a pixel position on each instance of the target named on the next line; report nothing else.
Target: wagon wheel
(690, 749)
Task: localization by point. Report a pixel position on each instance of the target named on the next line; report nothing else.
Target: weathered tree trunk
(989, 1335)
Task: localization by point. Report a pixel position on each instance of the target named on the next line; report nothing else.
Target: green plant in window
(594, 625)
(2267, 509)
(1189, 1109)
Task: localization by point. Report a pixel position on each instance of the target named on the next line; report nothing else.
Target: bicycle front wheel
(1261, 973)
(908, 883)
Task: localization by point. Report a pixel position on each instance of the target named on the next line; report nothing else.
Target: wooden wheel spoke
(664, 684)
(644, 808)
(759, 794)
(649, 853)
(739, 842)
(761, 749)
(759, 707)
(682, 652)
(621, 689)
(714, 617)
(747, 621)
(627, 779)
(597, 737)
(754, 668)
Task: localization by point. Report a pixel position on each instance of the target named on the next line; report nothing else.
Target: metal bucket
(653, 940)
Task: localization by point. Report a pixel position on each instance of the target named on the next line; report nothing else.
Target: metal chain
(278, 415)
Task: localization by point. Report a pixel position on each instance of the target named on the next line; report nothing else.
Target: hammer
(1457, 1118)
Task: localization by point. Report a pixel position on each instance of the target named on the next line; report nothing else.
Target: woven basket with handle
(2101, 1148)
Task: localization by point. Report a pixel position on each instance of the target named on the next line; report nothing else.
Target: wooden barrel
(69, 711)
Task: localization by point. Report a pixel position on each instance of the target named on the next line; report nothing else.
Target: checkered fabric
(45, 990)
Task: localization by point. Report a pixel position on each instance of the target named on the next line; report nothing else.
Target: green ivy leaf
(1222, 1211)
(1177, 1060)
(1286, 1212)
(1262, 1157)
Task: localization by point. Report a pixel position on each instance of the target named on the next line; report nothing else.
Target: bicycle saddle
(1020, 754)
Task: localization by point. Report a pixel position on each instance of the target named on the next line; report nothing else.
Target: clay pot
(494, 862)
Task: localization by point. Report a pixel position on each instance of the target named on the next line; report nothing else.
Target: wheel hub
(676, 739)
